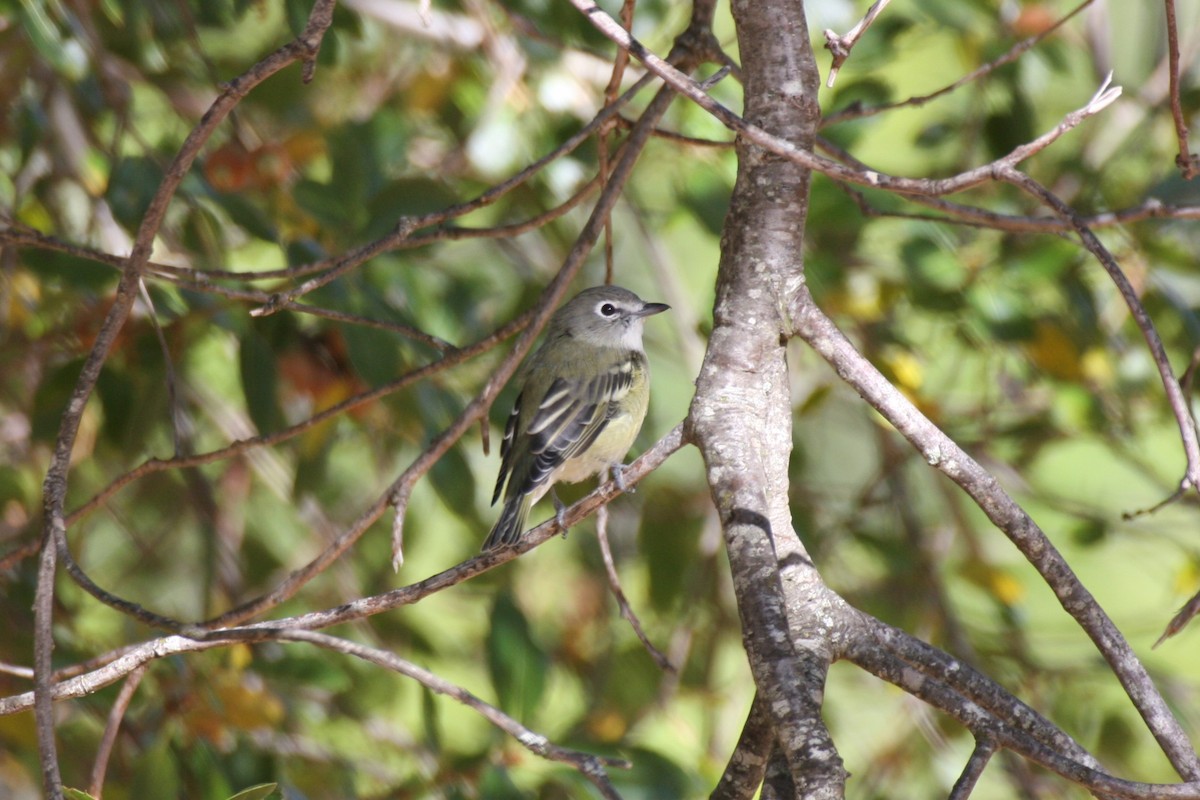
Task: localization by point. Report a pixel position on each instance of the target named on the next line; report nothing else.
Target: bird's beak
(651, 308)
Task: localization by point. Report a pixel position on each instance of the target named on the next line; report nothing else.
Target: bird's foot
(618, 475)
(560, 512)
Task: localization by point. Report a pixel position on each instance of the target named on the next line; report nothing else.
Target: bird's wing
(506, 449)
(570, 417)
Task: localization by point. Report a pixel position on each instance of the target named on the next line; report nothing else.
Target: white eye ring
(607, 309)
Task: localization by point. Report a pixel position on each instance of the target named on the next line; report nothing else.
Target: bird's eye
(608, 310)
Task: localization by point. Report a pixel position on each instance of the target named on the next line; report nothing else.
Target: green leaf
(259, 792)
(454, 481)
(935, 275)
(51, 398)
(653, 775)
(259, 381)
(405, 198)
(66, 54)
(517, 664)
(373, 353)
(248, 215)
(131, 187)
(297, 14)
(79, 273)
(1089, 532)
(116, 392)
(157, 773)
(76, 794)
(327, 205)
(429, 720)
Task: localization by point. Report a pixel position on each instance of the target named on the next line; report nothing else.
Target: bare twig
(614, 583)
(841, 46)
(1188, 163)
(780, 146)
(111, 667)
(1182, 617)
(941, 452)
(744, 772)
(980, 756)
(115, 715)
(55, 484)
(592, 766)
(856, 111)
(610, 93)
(942, 691)
(406, 227)
(1175, 396)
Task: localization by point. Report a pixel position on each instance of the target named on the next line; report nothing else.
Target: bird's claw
(618, 474)
(560, 513)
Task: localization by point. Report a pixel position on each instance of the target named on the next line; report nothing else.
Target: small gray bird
(583, 398)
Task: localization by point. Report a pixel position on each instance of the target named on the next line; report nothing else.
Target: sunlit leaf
(517, 663)
(260, 792)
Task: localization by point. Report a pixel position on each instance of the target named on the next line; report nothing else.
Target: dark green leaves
(259, 382)
(517, 664)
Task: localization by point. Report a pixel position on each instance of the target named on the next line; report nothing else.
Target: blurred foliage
(1016, 344)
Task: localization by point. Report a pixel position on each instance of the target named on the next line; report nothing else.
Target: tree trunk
(741, 417)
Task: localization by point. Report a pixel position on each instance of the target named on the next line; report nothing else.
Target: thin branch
(407, 331)
(154, 465)
(111, 728)
(614, 583)
(1188, 163)
(941, 452)
(43, 646)
(856, 111)
(784, 148)
(407, 226)
(971, 685)
(1175, 396)
(19, 553)
(841, 46)
(602, 137)
(959, 214)
(986, 725)
(55, 485)
(111, 667)
(744, 772)
(592, 766)
(972, 770)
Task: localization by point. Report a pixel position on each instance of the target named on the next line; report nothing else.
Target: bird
(583, 398)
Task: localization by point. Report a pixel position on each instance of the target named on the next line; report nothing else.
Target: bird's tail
(511, 525)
